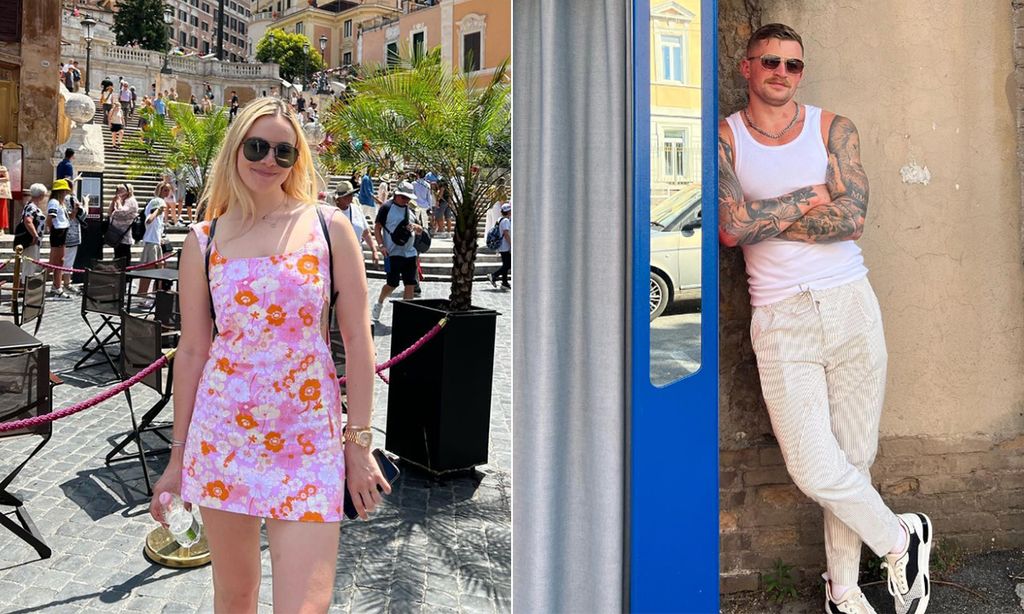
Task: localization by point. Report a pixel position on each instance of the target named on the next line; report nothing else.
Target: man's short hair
(69, 152)
(774, 30)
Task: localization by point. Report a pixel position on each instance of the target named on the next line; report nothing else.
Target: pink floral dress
(265, 437)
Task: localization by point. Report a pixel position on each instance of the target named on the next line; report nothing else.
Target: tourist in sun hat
(401, 251)
(344, 200)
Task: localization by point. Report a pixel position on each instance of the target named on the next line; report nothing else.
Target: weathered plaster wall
(929, 85)
(939, 93)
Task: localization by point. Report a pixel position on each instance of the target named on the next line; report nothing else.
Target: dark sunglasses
(771, 62)
(255, 149)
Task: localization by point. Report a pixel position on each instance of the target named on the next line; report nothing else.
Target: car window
(687, 216)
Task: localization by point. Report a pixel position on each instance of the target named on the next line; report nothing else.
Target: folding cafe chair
(142, 343)
(103, 296)
(27, 300)
(25, 392)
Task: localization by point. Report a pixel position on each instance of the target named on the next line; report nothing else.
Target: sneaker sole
(923, 559)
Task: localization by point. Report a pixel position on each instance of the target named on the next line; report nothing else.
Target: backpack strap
(382, 217)
(206, 257)
(330, 252)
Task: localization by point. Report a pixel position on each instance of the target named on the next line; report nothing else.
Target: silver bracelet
(177, 444)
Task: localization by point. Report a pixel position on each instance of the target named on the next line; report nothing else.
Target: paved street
(432, 547)
(675, 343)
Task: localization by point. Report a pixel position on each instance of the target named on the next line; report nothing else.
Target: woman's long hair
(225, 188)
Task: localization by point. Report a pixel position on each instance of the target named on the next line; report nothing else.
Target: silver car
(675, 249)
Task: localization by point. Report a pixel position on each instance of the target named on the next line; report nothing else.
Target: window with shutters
(392, 54)
(418, 44)
(10, 29)
(676, 155)
(471, 50)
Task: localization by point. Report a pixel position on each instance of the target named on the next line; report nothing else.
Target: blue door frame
(672, 531)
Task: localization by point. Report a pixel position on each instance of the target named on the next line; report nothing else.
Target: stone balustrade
(189, 75)
(112, 55)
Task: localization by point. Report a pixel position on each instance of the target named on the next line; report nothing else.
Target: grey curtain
(571, 211)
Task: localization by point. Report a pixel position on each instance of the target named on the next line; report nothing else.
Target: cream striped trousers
(822, 360)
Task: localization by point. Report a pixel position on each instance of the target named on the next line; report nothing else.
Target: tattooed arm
(746, 222)
(843, 218)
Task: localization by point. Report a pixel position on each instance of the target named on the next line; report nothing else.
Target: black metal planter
(439, 398)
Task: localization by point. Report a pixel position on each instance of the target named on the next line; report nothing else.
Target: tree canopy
(285, 49)
(141, 21)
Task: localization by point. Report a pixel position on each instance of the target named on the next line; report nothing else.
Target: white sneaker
(853, 602)
(375, 313)
(907, 573)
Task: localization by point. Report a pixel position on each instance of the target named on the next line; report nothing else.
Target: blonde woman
(258, 432)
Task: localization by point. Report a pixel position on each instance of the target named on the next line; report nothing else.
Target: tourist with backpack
(395, 230)
(504, 247)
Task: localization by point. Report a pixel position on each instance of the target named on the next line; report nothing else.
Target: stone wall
(945, 261)
(38, 88)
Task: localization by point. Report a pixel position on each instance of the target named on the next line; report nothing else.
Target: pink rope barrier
(4, 265)
(406, 352)
(47, 265)
(96, 400)
(136, 267)
(141, 375)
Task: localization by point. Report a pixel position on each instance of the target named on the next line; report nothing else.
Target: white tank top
(778, 269)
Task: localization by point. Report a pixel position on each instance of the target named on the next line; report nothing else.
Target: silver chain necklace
(273, 224)
(775, 135)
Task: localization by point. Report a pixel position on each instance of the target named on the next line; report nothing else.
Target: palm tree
(193, 143)
(419, 112)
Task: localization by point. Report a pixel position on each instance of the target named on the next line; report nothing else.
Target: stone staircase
(436, 264)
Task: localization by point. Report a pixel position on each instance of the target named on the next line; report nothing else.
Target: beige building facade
(675, 62)
(475, 36)
(195, 27)
(338, 21)
(937, 103)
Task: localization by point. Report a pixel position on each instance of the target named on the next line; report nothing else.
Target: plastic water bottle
(183, 525)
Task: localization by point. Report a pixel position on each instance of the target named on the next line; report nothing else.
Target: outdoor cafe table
(12, 338)
(155, 275)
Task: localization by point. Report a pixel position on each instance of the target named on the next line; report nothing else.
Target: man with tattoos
(793, 196)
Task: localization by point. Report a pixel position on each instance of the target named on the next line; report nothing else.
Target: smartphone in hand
(387, 468)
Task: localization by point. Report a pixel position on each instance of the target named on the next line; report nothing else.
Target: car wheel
(659, 295)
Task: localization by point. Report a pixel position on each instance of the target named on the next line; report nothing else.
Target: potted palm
(191, 145)
(419, 113)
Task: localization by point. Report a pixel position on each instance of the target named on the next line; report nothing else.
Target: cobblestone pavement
(433, 546)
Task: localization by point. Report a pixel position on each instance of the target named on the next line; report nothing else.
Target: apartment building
(195, 27)
(675, 96)
(475, 36)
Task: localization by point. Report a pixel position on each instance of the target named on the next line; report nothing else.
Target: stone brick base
(973, 489)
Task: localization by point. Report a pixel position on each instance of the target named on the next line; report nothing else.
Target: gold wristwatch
(361, 436)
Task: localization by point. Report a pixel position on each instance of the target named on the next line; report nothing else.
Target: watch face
(365, 438)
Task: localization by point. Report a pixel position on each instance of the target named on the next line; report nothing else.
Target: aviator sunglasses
(255, 149)
(769, 61)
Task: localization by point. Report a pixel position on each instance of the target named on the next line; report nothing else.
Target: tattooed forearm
(843, 218)
(747, 222)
